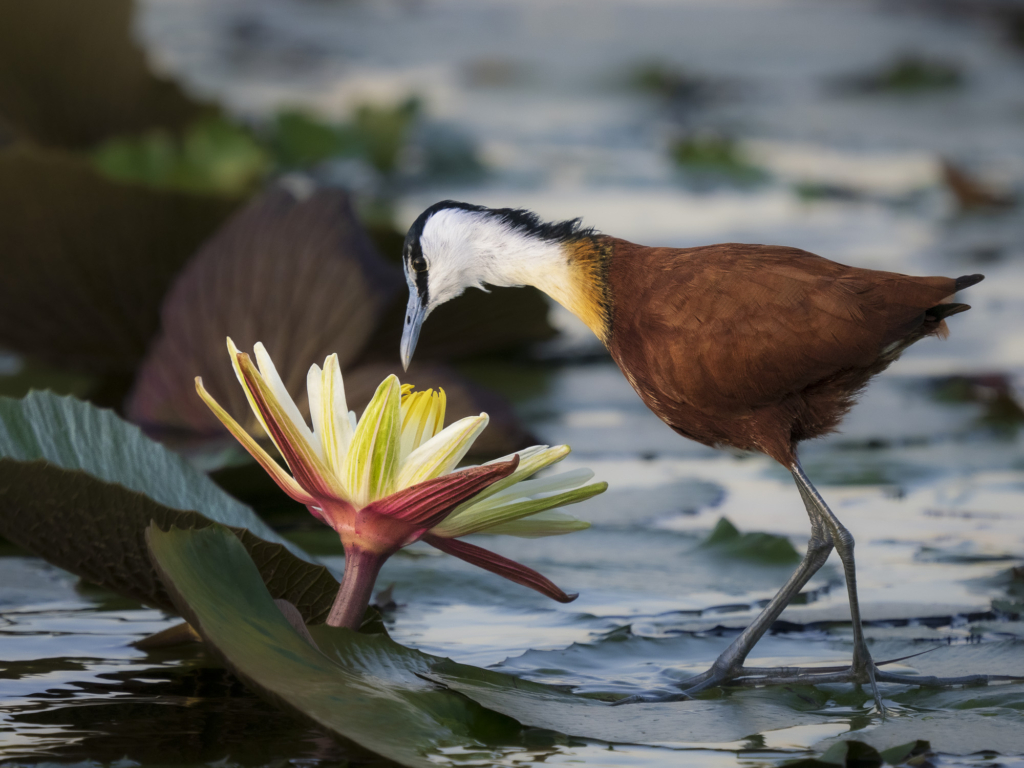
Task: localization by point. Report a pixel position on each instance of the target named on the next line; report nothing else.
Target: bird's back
(758, 346)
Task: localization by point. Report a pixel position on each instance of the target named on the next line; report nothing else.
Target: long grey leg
(730, 662)
(843, 539)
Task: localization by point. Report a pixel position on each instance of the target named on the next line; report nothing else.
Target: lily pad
(87, 261)
(764, 547)
(363, 689)
(79, 486)
(729, 719)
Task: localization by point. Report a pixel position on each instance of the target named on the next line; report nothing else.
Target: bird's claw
(653, 697)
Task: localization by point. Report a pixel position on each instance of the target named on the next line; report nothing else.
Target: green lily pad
(728, 719)
(764, 547)
(363, 689)
(79, 486)
(842, 754)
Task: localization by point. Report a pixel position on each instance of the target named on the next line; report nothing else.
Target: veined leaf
(79, 486)
(360, 688)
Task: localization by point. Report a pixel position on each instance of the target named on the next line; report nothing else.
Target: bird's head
(453, 246)
(440, 262)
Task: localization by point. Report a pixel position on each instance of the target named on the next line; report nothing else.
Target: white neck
(473, 248)
(483, 249)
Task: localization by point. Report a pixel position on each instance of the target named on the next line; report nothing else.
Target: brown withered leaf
(300, 275)
(71, 75)
(87, 261)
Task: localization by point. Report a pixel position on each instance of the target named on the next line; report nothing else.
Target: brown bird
(754, 347)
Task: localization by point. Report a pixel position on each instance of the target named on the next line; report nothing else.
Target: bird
(734, 345)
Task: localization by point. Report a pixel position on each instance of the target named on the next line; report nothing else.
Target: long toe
(652, 697)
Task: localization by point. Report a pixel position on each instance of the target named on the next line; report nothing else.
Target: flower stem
(361, 569)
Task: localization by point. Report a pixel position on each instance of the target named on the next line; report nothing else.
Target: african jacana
(755, 347)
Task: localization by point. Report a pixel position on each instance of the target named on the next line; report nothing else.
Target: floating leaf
(71, 74)
(87, 261)
(763, 547)
(842, 754)
(79, 486)
(722, 720)
(363, 689)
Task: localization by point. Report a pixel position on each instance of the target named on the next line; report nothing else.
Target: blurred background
(172, 171)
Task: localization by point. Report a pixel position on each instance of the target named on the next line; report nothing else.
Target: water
(930, 484)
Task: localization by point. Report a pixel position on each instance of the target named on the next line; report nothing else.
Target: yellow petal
(422, 418)
(371, 465)
(275, 470)
(441, 453)
(233, 351)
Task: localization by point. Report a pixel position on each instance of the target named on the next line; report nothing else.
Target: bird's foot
(868, 673)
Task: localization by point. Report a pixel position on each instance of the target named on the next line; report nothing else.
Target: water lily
(389, 478)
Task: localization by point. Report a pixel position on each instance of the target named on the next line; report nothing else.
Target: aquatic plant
(388, 479)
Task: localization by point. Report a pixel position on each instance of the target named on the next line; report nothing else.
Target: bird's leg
(863, 667)
(730, 663)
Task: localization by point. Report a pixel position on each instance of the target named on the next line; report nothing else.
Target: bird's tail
(935, 317)
(967, 281)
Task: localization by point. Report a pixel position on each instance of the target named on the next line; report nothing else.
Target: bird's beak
(415, 314)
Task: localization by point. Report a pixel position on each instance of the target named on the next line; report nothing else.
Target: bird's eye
(418, 264)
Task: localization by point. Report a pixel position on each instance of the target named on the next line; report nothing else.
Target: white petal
(563, 481)
(277, 387)
(335, 416)
(441, 453)
(549, 523)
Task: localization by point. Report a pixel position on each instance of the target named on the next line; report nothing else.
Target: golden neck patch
(583, 288)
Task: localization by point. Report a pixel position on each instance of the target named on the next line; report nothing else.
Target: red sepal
(426, 504)
(502, 566)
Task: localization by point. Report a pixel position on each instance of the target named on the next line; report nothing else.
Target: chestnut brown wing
(731, 328)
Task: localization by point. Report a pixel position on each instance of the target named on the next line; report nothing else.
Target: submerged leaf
(79, 486)
(763, 547)
(364, 689)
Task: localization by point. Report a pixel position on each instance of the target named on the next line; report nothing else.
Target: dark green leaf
(87, 261)
(363, 689)
(71, 75)
(721, 720)
(79, 486)
(763, 547)
(842, 754)
(902, 752)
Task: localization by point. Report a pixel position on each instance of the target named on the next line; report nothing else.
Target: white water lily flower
(389, 478)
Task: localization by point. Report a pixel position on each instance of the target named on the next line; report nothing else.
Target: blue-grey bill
(415, 314)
